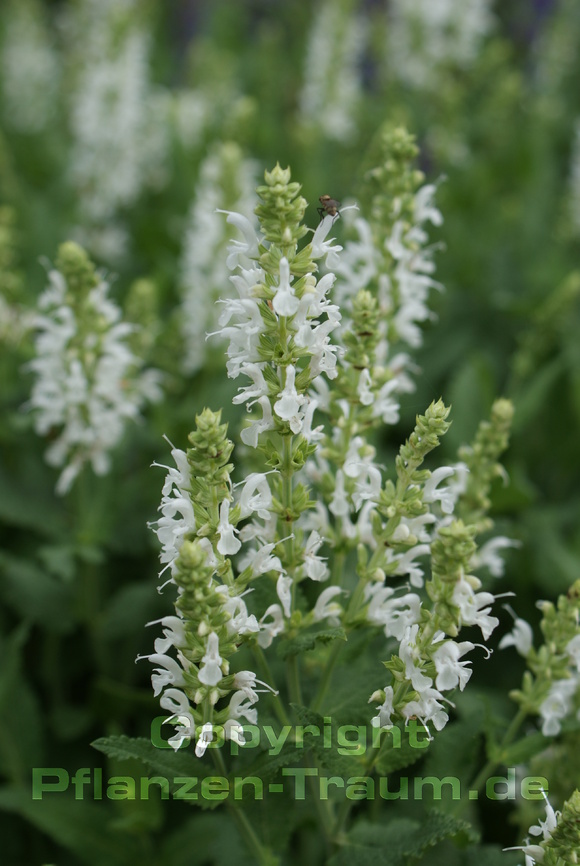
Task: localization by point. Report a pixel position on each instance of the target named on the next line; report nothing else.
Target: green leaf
(35, 594)
(398, 754)
(308, 640)
(166, 762)
(21, 731)
(402, 839)
(524, 749)
(266, 766)
(81, 827)
(458, 748)
(326, 745)
(208, 838)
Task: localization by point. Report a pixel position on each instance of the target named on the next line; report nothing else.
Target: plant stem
(327, 674)
(264, 667)
(262, 856)
(490, 766)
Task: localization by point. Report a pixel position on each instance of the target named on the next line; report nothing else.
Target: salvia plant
(88, 382)
(346, 660)
(290, 549)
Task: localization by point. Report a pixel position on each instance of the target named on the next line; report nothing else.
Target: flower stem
(490, 765)
(327, 675)
(262, 856)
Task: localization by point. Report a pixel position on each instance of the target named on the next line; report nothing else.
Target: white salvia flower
(315, 566)
(406, 564)
(325, 608)
(178, 705)
(285, 302)
(395, 613)
(240, 707)
(228, 545)
(521, 637)
(410, 653)
(223, 175)
(428, 708)
(244, 335)
(450, 671)
(339, 503)
(474, 607)
(284, 592)
(368, 485)
(174, 633)
(383, 718)
(177, 518)
(287, 407)
(353, 464)
(364, 388)
(210, 673)
(487, 555)
(261, 561)
(204, 739)
(168, 672)
(119, 146)
(358, 264)
(573, 651)
(256, 496)
(432, 492)
(250, 434)
(246, 681)
(426, 35)
(87, 389)
(557, 705)
(385, 404)
(248, 247)
(240, 621)
(30, 69)
(269, 630)
(535, 853)
(332, 83)
(425, 210)
(322, 247)
(255, 391)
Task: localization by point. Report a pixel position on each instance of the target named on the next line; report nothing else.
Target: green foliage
(77, 575)
(403, 842)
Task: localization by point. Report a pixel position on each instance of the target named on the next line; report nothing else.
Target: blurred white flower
(88, 382)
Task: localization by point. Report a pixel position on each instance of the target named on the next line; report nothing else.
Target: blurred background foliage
(246, 83)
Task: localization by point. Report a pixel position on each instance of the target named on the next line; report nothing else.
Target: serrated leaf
(166, 762)
(266, 766)
(329, 751)
(308, 640)
(398, 754)
(490, 855)
(400, 840)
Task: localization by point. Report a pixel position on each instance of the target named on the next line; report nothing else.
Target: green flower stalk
(332, 88)
(198, 534)
(556, 840)
(551, 684)
(15, 321)
(226, 181)
(88, 382)
(318, 488)
(481, 461)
